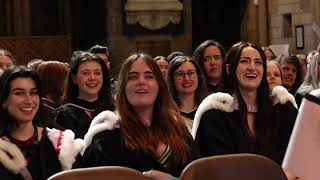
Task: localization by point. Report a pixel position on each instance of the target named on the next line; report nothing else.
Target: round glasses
(181, 74)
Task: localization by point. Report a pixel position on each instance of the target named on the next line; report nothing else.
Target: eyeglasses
(181, 74)
(210, 58)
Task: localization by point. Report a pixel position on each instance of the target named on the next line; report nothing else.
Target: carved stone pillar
(153, 14)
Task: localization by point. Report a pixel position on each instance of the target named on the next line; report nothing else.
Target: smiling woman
(28, 150)
(186, 84)
(152, 133)
(248, 120)
(88, 93)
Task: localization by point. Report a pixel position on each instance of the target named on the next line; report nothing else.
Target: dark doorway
(47, 17)
(216, 19)
(88, 22)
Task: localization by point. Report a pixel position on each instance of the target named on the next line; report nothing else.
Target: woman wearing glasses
(186, 84)
(210, 55)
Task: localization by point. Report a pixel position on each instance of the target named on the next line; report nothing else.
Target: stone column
(263, 21)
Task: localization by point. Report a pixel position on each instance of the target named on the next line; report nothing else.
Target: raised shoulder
(220, 101)
(106, 120)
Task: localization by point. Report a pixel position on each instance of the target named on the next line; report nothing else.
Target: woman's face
(5, 62)
(142, 87)
(89, 79)
(249, 70)
(273, 76)
(289, 75)
(212, 63)
(23, 100)
(186, 79)
(269, 54)
(163, 65)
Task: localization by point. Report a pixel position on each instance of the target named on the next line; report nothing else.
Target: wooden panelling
(26, 48)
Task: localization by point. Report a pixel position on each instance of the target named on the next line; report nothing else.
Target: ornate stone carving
(153, 14)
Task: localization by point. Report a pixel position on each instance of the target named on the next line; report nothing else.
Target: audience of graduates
(157, 117)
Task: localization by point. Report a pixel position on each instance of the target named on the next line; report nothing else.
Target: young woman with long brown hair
(152, 133)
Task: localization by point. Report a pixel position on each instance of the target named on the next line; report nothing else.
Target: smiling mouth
(251, 76)
(141, 91)
(92, 85)
(27, 109)
(187, 85)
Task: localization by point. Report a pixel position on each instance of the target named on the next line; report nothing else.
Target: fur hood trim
(66, 146)
(315, 92)
(11, 157)
(106, 120)
(221, 101)
(281, 94)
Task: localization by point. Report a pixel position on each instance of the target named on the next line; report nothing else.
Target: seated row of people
(148, 130)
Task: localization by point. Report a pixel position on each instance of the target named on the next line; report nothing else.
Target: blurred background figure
(163, 64)
(273, 74)
(187, 85)
(290, 73)
(6, 59)
(210, 55)
(312, 80)
(174, 54)
(34, 63)
(269, 53)
(303, 63)
(53, 75)
(102, 52)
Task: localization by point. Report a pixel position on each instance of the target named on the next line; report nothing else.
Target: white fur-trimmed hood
(106, 120)
(225, 102)
(66, 146)
(67, 149)
(315, 92)
(281, 94)
(16, 162)
(221, 101)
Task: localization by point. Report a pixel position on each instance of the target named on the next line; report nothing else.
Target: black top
(42, 162)
(108, 149)
(216, 88)
(73, 115)
(221, 133)
(189, 115)
(48, 107)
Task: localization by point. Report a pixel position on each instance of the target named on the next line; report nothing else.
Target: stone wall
(121, 45)
(286, 15)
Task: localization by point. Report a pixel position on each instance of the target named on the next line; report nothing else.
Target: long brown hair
(168, 126)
